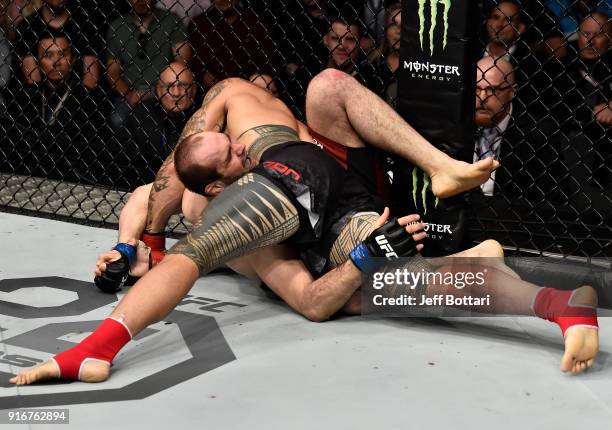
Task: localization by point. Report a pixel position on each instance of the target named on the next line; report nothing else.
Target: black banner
(436, 96)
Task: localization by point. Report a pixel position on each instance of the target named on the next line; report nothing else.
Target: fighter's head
(495, 89)
(506, 23)
(208, 161)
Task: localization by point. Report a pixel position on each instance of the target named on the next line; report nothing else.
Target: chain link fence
(95, 95)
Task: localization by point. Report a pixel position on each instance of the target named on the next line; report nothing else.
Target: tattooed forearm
(161, 207)
(357, 230)
(197, 122)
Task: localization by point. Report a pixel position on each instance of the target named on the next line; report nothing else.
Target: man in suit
(527, 152)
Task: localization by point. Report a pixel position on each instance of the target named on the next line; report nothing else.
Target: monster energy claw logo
(415, 186)
(433, 6)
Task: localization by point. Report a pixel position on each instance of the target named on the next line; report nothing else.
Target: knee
(491, 248)
(325, 82)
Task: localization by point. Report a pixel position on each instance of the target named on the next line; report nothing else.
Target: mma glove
(157, 243)
(117, 272)
(386, 243)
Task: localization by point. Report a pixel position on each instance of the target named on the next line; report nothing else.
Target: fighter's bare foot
(92, 371)
(581, 343)
(458, 176)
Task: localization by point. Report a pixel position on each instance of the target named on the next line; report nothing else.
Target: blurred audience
(379, 72)
(6, 63)
(54, 16)
(12, 12)
(140, 45)
(58, 125)
(299, 34)
(570, 13)
(588, 95)
(230, 41)
(185, 9)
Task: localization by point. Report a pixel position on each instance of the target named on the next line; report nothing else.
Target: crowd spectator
(379, 72)
(155, 125)
(140, 45)
(300, 34)
(588, 96)
(527, 152)
(266, 82)
(12, 12)
(54, 16)
(57, 125)
(230, 41)
(6, 62)
(374, 17)
(185, 9)
(570, 13)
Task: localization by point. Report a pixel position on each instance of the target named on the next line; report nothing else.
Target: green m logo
(433, 6)
(423, 193)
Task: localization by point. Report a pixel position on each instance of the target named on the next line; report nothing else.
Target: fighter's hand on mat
(139, 267)
(386, 242)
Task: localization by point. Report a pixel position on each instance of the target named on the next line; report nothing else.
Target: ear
(521, 28)
(214, 188)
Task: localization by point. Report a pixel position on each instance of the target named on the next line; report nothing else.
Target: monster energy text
(427, 34)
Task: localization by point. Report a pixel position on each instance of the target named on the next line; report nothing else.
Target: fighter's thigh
(355, 231)
(250, 214)
(326, 111)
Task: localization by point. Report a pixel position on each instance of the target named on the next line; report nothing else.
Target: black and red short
(367, 164)
(325, 194)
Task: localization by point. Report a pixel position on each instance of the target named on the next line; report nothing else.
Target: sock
(102, 345)
(554, 305)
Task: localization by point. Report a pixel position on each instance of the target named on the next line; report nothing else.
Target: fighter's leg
(340, 108)
(250, 214)
(575, 312)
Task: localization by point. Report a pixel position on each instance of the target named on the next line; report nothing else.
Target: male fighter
(261, 208)
(339, 109)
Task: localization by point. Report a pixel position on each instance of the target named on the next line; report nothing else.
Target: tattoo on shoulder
(197, 122)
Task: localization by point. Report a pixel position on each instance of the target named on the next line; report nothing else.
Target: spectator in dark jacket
(58, 127)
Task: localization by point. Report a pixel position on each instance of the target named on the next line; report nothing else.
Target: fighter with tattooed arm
(297, 194)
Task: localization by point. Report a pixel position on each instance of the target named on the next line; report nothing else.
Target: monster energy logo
(423, 192)
(433, 7)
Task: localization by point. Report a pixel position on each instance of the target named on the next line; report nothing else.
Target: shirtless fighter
(261, 208)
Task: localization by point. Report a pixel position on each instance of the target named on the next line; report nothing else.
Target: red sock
(554, 305)
(102, 345)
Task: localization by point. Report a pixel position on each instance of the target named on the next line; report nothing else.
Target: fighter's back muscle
(250, 106)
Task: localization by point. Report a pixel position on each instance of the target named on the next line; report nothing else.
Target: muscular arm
(167, 190)
(287, 276)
